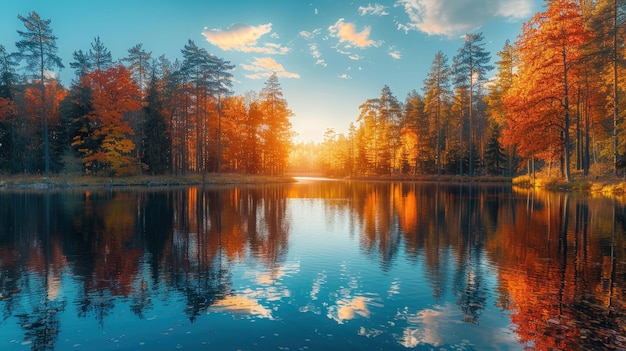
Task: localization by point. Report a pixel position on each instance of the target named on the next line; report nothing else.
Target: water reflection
(389, 265)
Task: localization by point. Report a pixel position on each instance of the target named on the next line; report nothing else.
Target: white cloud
(315, 52)
(376, 10)
(263, 64)
(347, 33)
(236, 36)
(354, 57)
(344, 76)
(310, 35)
(394, 53)
(243, 37)
(343, 52)
(452, 17)
(49, 75)
(267, 49)
(264, 67)
(515, 9)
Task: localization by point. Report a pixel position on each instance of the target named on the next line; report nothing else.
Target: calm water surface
(315, 265)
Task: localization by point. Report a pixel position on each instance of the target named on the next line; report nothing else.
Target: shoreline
(607, 185)
(436, 179)
(38, 182)
(611, 186)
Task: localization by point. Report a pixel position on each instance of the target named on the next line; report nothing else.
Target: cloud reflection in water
(240, 305)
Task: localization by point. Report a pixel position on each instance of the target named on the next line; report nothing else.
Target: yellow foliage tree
(113, 96)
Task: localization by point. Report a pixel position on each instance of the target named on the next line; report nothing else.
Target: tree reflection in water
(552, 263)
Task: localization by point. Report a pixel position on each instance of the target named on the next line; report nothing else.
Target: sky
(330, 55)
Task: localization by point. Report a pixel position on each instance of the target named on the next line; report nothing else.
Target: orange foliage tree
(113, 96)
(235, 113)
(539, 104)
(276, 133)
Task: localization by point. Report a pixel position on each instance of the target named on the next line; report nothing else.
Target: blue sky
(330, 55)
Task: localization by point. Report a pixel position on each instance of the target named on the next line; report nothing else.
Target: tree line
(136, 115)
(556, 102)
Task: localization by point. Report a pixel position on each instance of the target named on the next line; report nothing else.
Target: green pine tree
(156, 143)
(38, 48)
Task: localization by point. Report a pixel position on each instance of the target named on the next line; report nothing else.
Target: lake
(313, 265)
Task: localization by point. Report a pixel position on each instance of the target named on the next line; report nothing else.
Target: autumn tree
(436, 93)
(391, 117)
(496, 110)
(591, 98)
(328, 151)
(539, 105)
(607, 24)
(207, 79)
(370, 135)
(304, 158)
(457, 132)
(234, 111)
(79, 104)
(252, 137)
(108, 146)
(241, 133)
(471, 66)
(335, 154)
(220, 87)
(380, 119)
(38, 48)
(75, 108)
(277, 133)
(415, 132)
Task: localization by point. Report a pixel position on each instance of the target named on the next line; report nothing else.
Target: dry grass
(600, 179)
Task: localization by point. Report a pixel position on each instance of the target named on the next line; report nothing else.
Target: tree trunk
(566, 126)
(471, 125)
(219, 134)
(44, 117)
(615, 90)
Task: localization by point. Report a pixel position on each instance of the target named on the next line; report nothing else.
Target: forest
(558, 109)
(556, 103)
(135, 115)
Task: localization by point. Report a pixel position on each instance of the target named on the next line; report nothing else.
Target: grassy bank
(75, 181)
(596, 182)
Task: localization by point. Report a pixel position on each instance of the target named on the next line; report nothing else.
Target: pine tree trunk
(615, 91)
